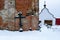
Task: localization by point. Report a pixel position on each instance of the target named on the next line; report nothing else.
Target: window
(48, 22)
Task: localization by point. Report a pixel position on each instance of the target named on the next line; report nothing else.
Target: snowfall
(44, 33)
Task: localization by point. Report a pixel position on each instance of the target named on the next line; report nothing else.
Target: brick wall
(23, 5)
(1, 4)
(13, 24)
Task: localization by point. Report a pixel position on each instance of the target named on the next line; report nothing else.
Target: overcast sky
(52, 5)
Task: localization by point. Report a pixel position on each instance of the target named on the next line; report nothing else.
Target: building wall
(25, 5)
(1, 4)
(46, 15)
(11, 8)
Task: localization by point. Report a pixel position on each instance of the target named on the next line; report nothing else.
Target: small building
(45, 17)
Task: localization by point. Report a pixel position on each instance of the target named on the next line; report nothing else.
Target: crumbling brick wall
(1, 4)
(8, 21)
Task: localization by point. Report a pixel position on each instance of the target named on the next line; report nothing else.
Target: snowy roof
(47, 10)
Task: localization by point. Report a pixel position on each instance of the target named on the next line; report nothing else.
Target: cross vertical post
(20, 17)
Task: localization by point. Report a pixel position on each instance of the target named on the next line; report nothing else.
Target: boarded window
(49, 22)
(1, 4)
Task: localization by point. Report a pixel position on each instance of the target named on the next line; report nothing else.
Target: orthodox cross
(44, 4)
(20, 17)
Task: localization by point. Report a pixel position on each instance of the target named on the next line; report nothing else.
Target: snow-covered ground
(55, 28)
(45, 34)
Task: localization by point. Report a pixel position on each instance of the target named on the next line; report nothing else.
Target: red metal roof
(57, 21)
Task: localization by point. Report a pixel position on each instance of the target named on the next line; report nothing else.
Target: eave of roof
(48, 12)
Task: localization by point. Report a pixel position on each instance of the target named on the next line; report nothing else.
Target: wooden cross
(20, 17)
